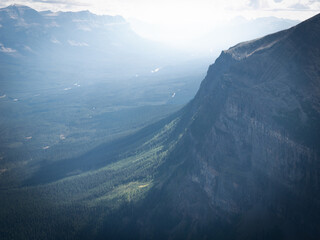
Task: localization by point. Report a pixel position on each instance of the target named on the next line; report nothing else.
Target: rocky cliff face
(248, 165)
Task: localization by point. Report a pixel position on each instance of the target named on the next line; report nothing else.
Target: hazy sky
(182, 16)
(181, 11)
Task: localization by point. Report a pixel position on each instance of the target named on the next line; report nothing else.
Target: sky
(179, 17)
(181, 11)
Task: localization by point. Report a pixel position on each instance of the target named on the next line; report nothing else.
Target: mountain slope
(248, 164)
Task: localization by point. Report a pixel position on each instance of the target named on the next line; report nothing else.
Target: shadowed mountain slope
(247, 166)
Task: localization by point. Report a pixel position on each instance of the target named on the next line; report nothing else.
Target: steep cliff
(247, 165)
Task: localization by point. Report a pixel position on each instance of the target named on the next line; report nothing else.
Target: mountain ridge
(36, 40)
(250, 151)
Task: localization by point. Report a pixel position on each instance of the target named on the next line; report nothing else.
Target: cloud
(291, 9)
(53, 5)
(6, 50)
(77, 44)
(254, 3)
(64, 2)
(28, 49)
(52, 24)
(299, 6)
(55, 41)
(84, 28)
(183, 12)
(51, 1)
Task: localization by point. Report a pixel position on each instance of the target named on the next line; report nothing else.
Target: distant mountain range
(219, 36)
(240, 29)
(97, 46)
(26, 31)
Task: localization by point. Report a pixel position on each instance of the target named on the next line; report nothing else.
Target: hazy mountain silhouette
(59, 41)
(220, 36)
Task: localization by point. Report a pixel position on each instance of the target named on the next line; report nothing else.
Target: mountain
(248, 163)
(240, 29)
(240, 161)
(209, 42)
(97, 46)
